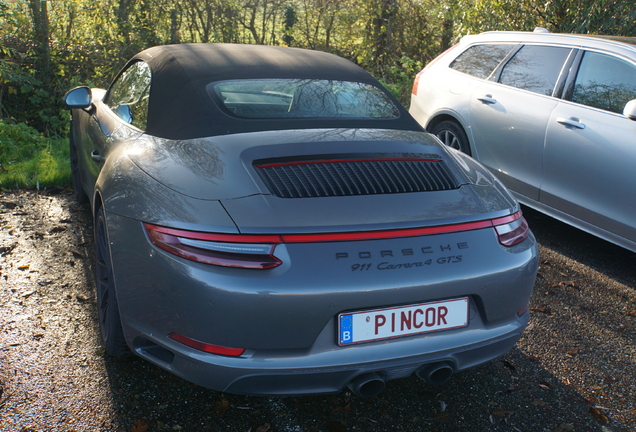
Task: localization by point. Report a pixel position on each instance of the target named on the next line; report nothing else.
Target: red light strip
(205, 347)
(274, 165)
(377, 235)
(333, 237)
(230, 238)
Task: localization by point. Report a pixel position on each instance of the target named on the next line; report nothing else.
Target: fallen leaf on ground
(545, 385)
(221, 405)
(336, 426)
(443, 416)
(598, 415)
(139, 426)
(501, 412)
(345, 409)
(509, 365)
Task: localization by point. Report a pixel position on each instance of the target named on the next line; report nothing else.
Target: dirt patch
(573, 370)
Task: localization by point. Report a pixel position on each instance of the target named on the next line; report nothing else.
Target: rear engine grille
(355, 177)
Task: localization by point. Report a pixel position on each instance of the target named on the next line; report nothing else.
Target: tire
(452, 134)
(80, 194)
(110, 328)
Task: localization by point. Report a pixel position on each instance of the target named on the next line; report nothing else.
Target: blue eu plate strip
(346, 329)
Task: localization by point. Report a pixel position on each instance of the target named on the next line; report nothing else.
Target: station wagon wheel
(107, 307)
(80, 194)
(452, 134)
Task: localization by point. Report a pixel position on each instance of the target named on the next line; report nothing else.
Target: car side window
(535, 68)
(128, 95)
(604, 82)
(480, 60)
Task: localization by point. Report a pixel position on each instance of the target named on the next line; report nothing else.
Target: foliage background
(48, 47)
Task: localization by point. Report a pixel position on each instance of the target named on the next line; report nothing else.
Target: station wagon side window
(535, 68)
(128, 95)
(480, 60)
(604, 82)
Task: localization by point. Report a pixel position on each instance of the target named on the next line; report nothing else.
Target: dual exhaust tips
(371, 384)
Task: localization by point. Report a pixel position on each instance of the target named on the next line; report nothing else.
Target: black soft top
(180, 107)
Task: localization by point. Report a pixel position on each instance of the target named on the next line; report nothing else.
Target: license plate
(366, 326)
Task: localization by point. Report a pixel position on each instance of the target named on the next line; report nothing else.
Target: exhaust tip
(435, 373)
(367, 385)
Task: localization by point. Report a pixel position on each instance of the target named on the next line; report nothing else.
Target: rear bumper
(317, 374)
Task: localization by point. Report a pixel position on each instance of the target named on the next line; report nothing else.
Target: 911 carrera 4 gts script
(399, 266)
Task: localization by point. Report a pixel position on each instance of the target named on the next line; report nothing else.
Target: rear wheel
(107, 307)
(80, 195)
(452, 134)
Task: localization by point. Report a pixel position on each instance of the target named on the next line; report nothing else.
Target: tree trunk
(39, 11)
(174, 27)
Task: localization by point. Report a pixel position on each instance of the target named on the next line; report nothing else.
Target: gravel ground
(575, 369)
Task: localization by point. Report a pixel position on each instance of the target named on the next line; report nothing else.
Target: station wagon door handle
(96, 156)
(488, 99)
(575, 123)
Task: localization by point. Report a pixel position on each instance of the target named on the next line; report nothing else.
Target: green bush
(30, 160)
(399, 80)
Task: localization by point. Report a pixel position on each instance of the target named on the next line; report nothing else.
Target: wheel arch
(98, 202)
(116, 345)
(440, 117)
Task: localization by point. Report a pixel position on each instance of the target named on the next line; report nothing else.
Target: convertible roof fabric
(180, 107)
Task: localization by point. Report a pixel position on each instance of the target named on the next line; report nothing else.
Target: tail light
(416, 83)
(511, 229)
(258, 251)
(226, 250)
(417, 77)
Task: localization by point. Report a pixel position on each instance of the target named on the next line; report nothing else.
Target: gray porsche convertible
(271, 221)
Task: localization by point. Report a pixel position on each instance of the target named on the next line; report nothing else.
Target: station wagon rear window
(480, 60)
(302, 98)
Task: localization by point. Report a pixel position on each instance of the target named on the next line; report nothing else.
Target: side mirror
(125, 113)
(79, 97)
(630, 110)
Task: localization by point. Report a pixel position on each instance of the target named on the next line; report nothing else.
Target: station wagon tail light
(416, 83)
(226, 250)
(205, 347)
(511, 229)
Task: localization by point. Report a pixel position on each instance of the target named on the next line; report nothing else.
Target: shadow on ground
(573, 370)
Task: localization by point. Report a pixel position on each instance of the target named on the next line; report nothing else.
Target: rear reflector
(208, 348)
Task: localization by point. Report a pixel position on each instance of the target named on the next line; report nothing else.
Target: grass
(30, 160)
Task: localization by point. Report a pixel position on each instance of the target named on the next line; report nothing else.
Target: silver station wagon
(553, 116)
